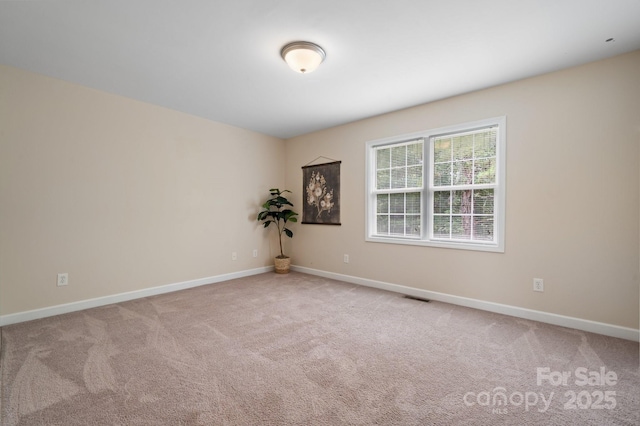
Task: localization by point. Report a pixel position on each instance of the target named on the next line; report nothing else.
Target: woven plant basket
(283, 265)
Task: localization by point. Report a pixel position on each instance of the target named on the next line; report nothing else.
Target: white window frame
(426, 227)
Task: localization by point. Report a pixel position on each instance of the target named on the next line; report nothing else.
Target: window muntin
(443, 187)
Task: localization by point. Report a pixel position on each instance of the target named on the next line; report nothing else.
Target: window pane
(398, 178)
(412, 227)
(382, 224)
(442, 174)
(483, 228)
(456, 201)
(441, 226)
(382, 201)
(483, 201)
(461, 227)
(397, 224)
(414, 177)
(485, 170)
(383, 179)
(462, 172)
(399, 156)
(397, 203)
(485, 143)
(383, 158)
(414, 154)
(461, 202)
(442, 202)
(463, 147)
(442, 150)
(413, 202)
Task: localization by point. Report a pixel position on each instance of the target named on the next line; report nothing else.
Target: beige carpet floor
(303, 350)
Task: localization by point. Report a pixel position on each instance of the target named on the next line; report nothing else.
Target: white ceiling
(220, 59)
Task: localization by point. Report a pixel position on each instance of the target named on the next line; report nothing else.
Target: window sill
(496, 248)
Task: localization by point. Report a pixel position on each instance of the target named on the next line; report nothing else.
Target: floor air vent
(406, 296)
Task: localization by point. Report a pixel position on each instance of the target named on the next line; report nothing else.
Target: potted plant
(275, 211)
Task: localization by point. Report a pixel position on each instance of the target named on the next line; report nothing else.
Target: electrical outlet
(346, 258)
(63, 279)
(538, 284)
(255, 252)
(234, 255)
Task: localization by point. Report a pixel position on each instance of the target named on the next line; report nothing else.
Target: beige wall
(572, 196)
(120, 194)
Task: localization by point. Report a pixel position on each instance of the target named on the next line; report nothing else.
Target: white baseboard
(530, 314)
(123, 297)
(514, 311)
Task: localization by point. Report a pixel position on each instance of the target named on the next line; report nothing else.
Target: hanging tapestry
(321, 191)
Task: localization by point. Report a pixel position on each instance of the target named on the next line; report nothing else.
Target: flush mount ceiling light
(303, 56)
